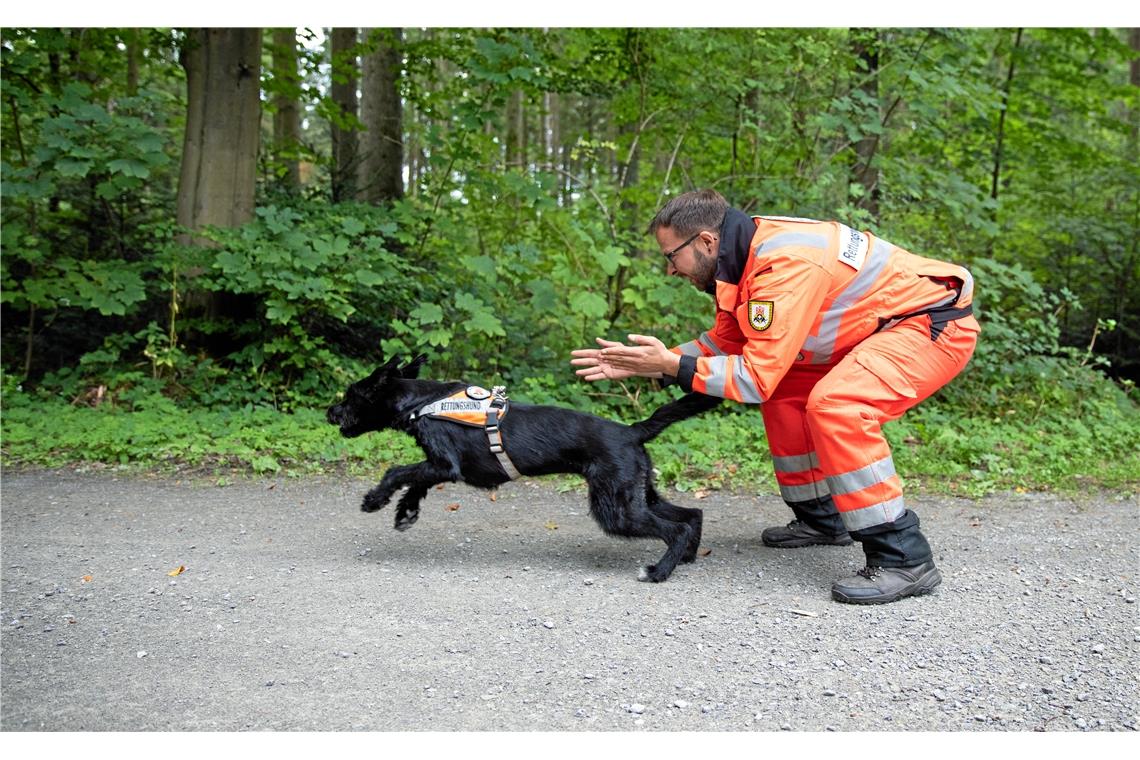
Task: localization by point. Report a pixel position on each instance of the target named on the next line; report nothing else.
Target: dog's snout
(333, 414)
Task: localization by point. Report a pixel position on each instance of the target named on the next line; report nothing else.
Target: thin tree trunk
(516, 131)
(550, 130)
(286, 116)
(865, 45)
(132, 62)
(381, 176)
(344, 136)
(1005, 93)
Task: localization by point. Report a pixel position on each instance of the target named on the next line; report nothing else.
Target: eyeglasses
(670, 254)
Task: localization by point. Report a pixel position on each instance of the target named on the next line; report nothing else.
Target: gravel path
(293, 610)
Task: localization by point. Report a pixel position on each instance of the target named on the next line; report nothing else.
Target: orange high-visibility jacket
(807, 292)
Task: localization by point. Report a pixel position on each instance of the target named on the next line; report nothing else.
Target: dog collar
(476, 407)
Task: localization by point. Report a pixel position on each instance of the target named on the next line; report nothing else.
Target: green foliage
(518, 242)
(1068, 442)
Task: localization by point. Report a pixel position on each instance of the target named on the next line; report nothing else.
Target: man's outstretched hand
(594, 367)
(616, 361)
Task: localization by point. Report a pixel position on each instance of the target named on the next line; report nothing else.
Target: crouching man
(833, 332)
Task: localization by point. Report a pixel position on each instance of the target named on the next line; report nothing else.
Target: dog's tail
(689, 405)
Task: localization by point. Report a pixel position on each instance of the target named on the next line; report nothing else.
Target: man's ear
(411, 370)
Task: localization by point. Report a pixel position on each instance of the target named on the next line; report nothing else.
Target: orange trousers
(824, 422)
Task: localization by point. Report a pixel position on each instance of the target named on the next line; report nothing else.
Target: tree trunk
(516, 131)
(344, 136)
(286, 111)
(1005, 93)
(133, 62)
(865, 44)
(219, 154)
(550, 130)
(381, 176)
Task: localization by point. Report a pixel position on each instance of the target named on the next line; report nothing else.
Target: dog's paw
(405, 520)
(373, 502)
(650, 574)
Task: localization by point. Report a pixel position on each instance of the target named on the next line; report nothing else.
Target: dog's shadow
(728, 556)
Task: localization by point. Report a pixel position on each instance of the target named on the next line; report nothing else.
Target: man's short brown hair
(690, 213)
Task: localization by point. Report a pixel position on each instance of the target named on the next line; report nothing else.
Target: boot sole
(798, 543)
(923, 586)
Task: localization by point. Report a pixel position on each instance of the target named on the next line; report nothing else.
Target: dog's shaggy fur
(540, 440)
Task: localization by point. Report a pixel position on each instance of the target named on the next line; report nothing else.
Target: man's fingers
(644, 340)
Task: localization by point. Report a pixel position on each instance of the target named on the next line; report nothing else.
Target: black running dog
(539, 440)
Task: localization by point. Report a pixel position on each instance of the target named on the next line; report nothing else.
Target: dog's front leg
(419, 479)
(393, 480)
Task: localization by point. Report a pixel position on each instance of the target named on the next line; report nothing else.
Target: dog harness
(476, 407)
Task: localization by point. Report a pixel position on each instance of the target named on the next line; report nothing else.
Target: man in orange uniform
(834, 332)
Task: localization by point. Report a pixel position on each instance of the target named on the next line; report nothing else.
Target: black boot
(899, 564)
(879, 585)
(817, 523)
(895, 544)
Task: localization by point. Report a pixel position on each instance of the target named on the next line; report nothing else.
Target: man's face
(693, 258)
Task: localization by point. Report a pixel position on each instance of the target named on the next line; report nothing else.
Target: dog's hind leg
(621, 510)
(408, 508)
(669, 511)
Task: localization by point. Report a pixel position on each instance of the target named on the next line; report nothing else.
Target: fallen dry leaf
(551, 525)
(453, 507)
(178, 570)
(700, 494)
(88, 578)
(705, 552)
(494, 495)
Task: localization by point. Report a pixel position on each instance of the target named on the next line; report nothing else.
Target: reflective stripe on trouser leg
(802, 483)
(878, 381)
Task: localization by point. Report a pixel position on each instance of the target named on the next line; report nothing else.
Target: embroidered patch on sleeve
(760, 314)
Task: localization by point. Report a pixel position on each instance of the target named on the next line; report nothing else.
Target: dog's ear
(411, 370)
(385, 369)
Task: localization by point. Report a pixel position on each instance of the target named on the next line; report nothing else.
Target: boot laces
(870, 572)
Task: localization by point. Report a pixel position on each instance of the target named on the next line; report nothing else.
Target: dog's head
(370, 404)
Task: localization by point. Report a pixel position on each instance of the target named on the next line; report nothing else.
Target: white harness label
(853, 247)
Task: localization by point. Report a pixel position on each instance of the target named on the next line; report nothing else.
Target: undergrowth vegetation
(130, 342)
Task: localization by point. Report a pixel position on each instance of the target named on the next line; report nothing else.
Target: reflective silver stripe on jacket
(784, 239)
(693, 347)
(822, 346)
(967, 284)
(717, 379)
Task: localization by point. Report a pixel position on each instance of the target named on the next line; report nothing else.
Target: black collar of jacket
(736, 234)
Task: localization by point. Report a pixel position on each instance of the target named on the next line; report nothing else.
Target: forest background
(208, 233)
